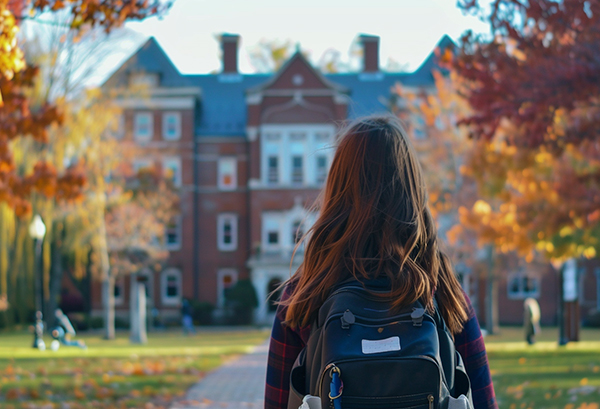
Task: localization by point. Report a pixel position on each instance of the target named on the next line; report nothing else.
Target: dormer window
(145, 79)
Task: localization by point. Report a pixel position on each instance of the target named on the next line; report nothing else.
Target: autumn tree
(431, 116)
(136, 218)
(270, 55)
(534, 94)
(18, 118)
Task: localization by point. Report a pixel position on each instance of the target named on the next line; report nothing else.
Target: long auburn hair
(374, 222)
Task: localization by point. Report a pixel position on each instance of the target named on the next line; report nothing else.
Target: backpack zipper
(374, 322)
(332, 365)
(395, 318)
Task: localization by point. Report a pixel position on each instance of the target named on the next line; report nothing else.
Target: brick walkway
(238, 384)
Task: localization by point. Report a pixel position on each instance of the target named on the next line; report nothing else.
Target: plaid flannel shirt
(286, 344)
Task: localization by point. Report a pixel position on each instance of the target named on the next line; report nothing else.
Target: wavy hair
(374, 222)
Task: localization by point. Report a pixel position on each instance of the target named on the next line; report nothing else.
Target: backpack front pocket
(413, 401)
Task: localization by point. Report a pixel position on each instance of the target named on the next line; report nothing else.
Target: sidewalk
(237, 384)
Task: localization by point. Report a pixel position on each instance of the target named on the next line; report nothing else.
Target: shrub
(240, 301)
(121, 323)
(96, 322)
(202, 312)
(593, 319)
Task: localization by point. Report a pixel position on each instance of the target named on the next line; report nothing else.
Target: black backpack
(360, 355)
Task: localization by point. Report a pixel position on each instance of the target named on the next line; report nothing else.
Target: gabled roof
(431, 62)
(149, 58)
(298, 57)
(222, 109)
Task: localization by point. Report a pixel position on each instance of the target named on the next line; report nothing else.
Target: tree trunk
(108, 283)
(108, 304)
(138, 312)
(491, 299)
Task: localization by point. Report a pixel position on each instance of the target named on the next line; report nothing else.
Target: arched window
(170, 287)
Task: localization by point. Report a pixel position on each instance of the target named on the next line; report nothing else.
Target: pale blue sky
(409, 29)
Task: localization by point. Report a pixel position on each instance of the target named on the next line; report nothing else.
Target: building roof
(222, 108)
(149, 58)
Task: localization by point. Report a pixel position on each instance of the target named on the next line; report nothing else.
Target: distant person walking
(531, 319)
(186, 318)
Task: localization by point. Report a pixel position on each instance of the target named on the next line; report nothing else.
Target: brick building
(249, 154)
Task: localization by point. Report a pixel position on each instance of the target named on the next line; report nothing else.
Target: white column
(259, 280)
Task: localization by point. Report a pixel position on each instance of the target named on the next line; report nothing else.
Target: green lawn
(545, 376)
(114, 374)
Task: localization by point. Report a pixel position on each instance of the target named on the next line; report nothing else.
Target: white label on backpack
(380, 345)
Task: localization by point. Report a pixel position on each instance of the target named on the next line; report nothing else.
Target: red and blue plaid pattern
(286, 344)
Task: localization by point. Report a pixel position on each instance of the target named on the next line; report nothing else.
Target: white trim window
(272, 223)
(171, 126)
(227, 173)
(521, 286)
(297, 175)
(272, 169)
(227, 231)
(321, 168)
(117, 128)
(288, 152)
(172, 169)
(143, 126)
(173, 233)
(226, 278)
(170, 287)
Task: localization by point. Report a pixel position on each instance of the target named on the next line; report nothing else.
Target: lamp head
(37, 228)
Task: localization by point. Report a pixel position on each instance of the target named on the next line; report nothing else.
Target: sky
(408, 30)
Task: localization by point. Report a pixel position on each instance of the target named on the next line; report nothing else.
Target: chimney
(370, 53)
(229, 46)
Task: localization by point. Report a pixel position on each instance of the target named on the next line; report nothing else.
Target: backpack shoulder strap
(447, 349)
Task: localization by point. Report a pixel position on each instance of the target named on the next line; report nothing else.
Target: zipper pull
(417, 316)
(431, 399)
(347, 319)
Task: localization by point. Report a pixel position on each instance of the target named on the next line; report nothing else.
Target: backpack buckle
(417, 316)
(347, 319)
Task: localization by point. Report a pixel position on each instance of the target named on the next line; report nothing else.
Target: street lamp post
(37, 231)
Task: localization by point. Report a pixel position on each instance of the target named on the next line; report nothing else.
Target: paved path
(238, 384)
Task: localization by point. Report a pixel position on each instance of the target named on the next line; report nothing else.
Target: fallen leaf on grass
(78, 394)
(588, 406)
(12, 394)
